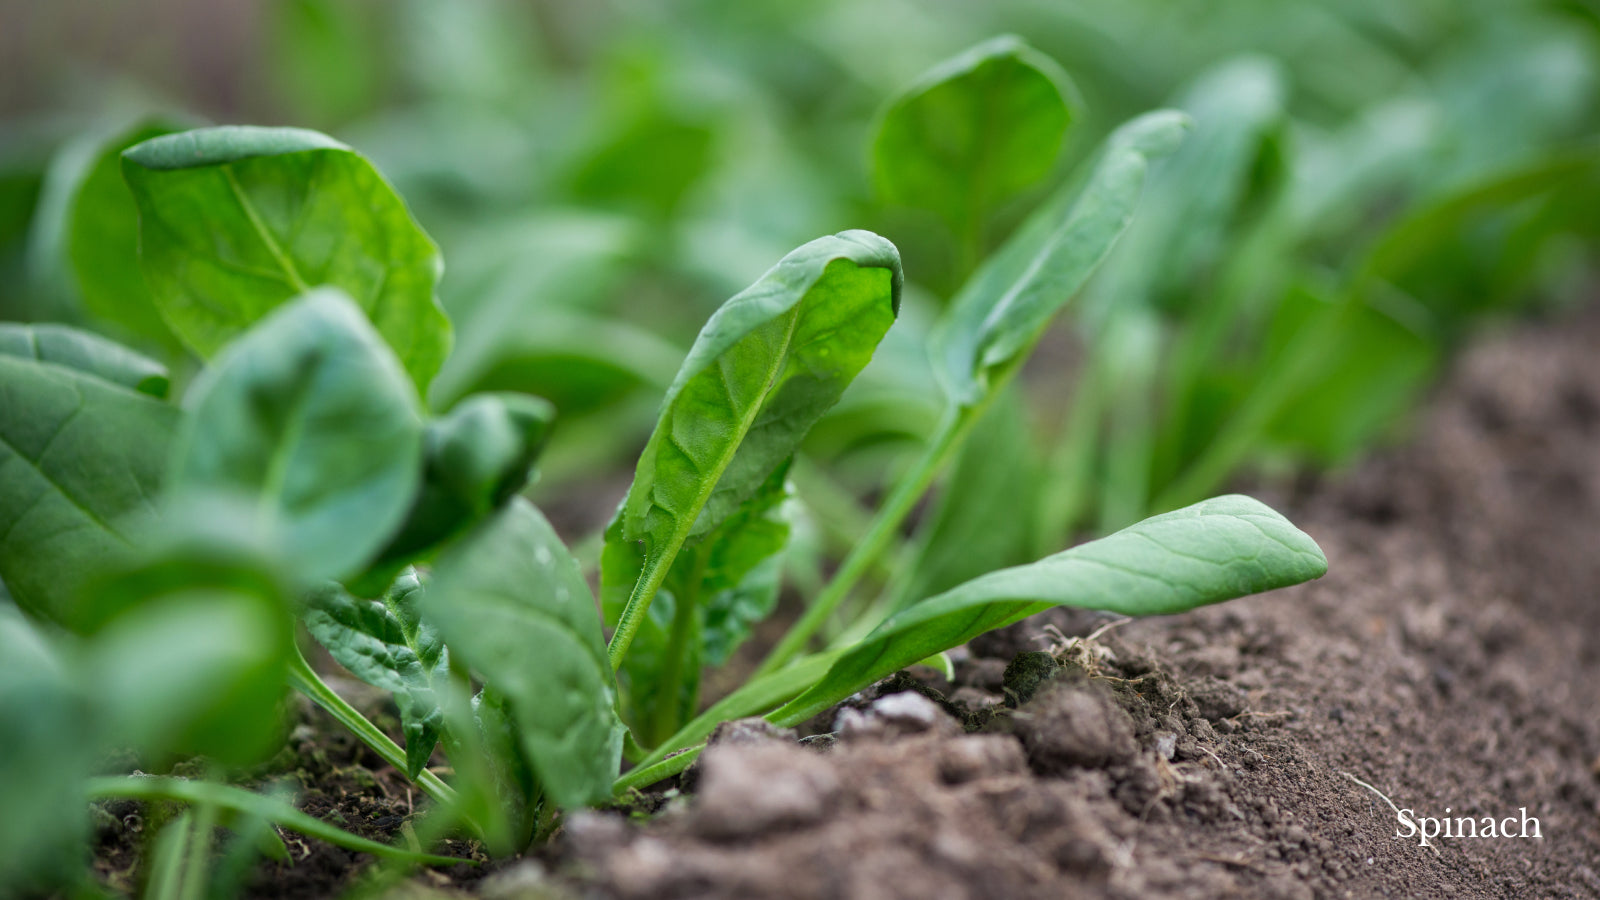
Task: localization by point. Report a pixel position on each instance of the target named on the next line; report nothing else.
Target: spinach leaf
(1005, 306)
(235, 221)
(46, 756)
(1216, 550)
(86, 352)
(717, 589)
(512, 604)
(475, 459)
(974, 131)
(101, 233)
(387, 645)
(79, 457)
(309, 418)
(766, 366)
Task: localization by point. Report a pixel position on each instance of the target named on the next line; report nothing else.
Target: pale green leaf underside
(1212, 551)
(310, 420)
(235, 221)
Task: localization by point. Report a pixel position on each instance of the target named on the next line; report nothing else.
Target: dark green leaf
(766, 366)
(86, 352)
(78, 457)
(1005, 306)
(374, 641)
(309, 418)
(512, 604)
(235, 221)
(1222, 548)
(974, 131)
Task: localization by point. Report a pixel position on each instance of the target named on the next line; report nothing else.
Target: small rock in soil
(894, 715)
(754, 789)
(1074, 724)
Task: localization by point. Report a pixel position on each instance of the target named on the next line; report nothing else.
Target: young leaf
(974, 131)
(309, 418)
(512, 604)
(385, 644)
(78, 457)
(1222, 548)
(474, 460)
(87, 352)
(1005, 306)
(717, 589)
(766, 366)
(235, 221)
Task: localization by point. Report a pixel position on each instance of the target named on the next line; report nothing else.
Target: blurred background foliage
(1367, 180)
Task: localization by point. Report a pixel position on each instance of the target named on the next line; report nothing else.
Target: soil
(1450, 660)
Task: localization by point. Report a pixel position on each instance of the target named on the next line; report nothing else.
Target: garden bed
(1450, 659)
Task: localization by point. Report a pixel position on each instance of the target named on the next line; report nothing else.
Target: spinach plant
(303, 477)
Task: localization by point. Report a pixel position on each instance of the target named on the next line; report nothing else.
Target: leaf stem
(957, 421)
(644, 776)
(305, 680)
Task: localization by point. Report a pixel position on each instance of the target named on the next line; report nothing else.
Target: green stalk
(305, 680)
(958, 420)
(645, 776)
(667, 714)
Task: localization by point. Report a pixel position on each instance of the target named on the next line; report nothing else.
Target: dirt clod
(1072, 723)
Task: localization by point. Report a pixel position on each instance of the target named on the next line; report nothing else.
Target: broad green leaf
(474, 459)
(974, 131)
(86, 352)
(86, 235)
(385, 644)
(1008, 302)
(46, 757)
(235, 221)
(193, 659)
(1216, 550)
(722, 585)
(983, 517)
(308, 418)
(766, 366)
(79, 457)
(513, 605)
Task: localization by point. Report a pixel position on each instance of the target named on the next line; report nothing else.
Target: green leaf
(88, 229)
(46, 758)
(512, 604)
(974, 131)
(1008, 302)
(150, 787)
(308, 418)
(235, 221)
(78, 457)
(1216, 550)
(717, 590)
(766, 366)
(385, 644)
(475, 459)
(86, 352)
(195, 670)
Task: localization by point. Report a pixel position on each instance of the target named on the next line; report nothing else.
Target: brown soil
(1450, 659)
